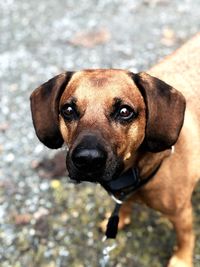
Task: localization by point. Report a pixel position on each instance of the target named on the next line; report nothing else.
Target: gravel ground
(44, 220)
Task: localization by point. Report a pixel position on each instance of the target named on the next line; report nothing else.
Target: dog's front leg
(182, 222)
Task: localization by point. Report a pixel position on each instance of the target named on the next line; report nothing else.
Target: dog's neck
(135, 176)
(147, 162)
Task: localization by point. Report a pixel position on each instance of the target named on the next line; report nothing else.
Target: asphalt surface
(44, 220)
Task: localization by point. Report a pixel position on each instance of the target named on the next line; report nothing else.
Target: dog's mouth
(101, 176)
(112, 170)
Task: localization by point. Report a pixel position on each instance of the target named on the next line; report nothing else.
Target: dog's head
(105, 117)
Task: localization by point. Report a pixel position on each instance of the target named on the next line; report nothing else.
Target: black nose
(89, 159)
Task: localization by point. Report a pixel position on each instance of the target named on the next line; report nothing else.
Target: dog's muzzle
(91, 159)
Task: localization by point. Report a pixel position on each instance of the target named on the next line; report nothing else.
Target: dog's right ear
(45, 109)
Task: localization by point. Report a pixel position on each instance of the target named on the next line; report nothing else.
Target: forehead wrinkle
(100, 86)
(98, 81)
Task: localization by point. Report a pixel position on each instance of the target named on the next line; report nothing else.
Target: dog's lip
(80, 179)
(93, 178)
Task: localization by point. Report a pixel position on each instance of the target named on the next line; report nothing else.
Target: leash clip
(118, 201)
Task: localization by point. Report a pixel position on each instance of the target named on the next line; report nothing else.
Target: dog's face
(102, 120)
(104, 116)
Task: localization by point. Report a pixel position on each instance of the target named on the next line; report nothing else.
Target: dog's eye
(126, 113)
(69, 112)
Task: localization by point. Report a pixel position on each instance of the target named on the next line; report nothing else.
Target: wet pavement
(44, 220)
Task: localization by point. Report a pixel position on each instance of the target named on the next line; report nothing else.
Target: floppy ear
(165, 112)
(44, 108)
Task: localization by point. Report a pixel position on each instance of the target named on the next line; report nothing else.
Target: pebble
(41, 212)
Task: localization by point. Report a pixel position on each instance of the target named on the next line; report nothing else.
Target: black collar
(128, 182)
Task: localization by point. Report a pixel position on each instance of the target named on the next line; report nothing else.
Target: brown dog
(112, 120)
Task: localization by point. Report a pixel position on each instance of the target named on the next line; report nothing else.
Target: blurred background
(44, 220)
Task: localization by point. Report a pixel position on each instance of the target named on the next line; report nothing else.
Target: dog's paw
(123, 221)
(177, 262)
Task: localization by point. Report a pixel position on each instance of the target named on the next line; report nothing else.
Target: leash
(127, 184)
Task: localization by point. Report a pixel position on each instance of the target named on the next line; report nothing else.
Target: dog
(113, 120)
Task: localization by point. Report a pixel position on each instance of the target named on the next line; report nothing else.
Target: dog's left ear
(45, 109)
(165, 112)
